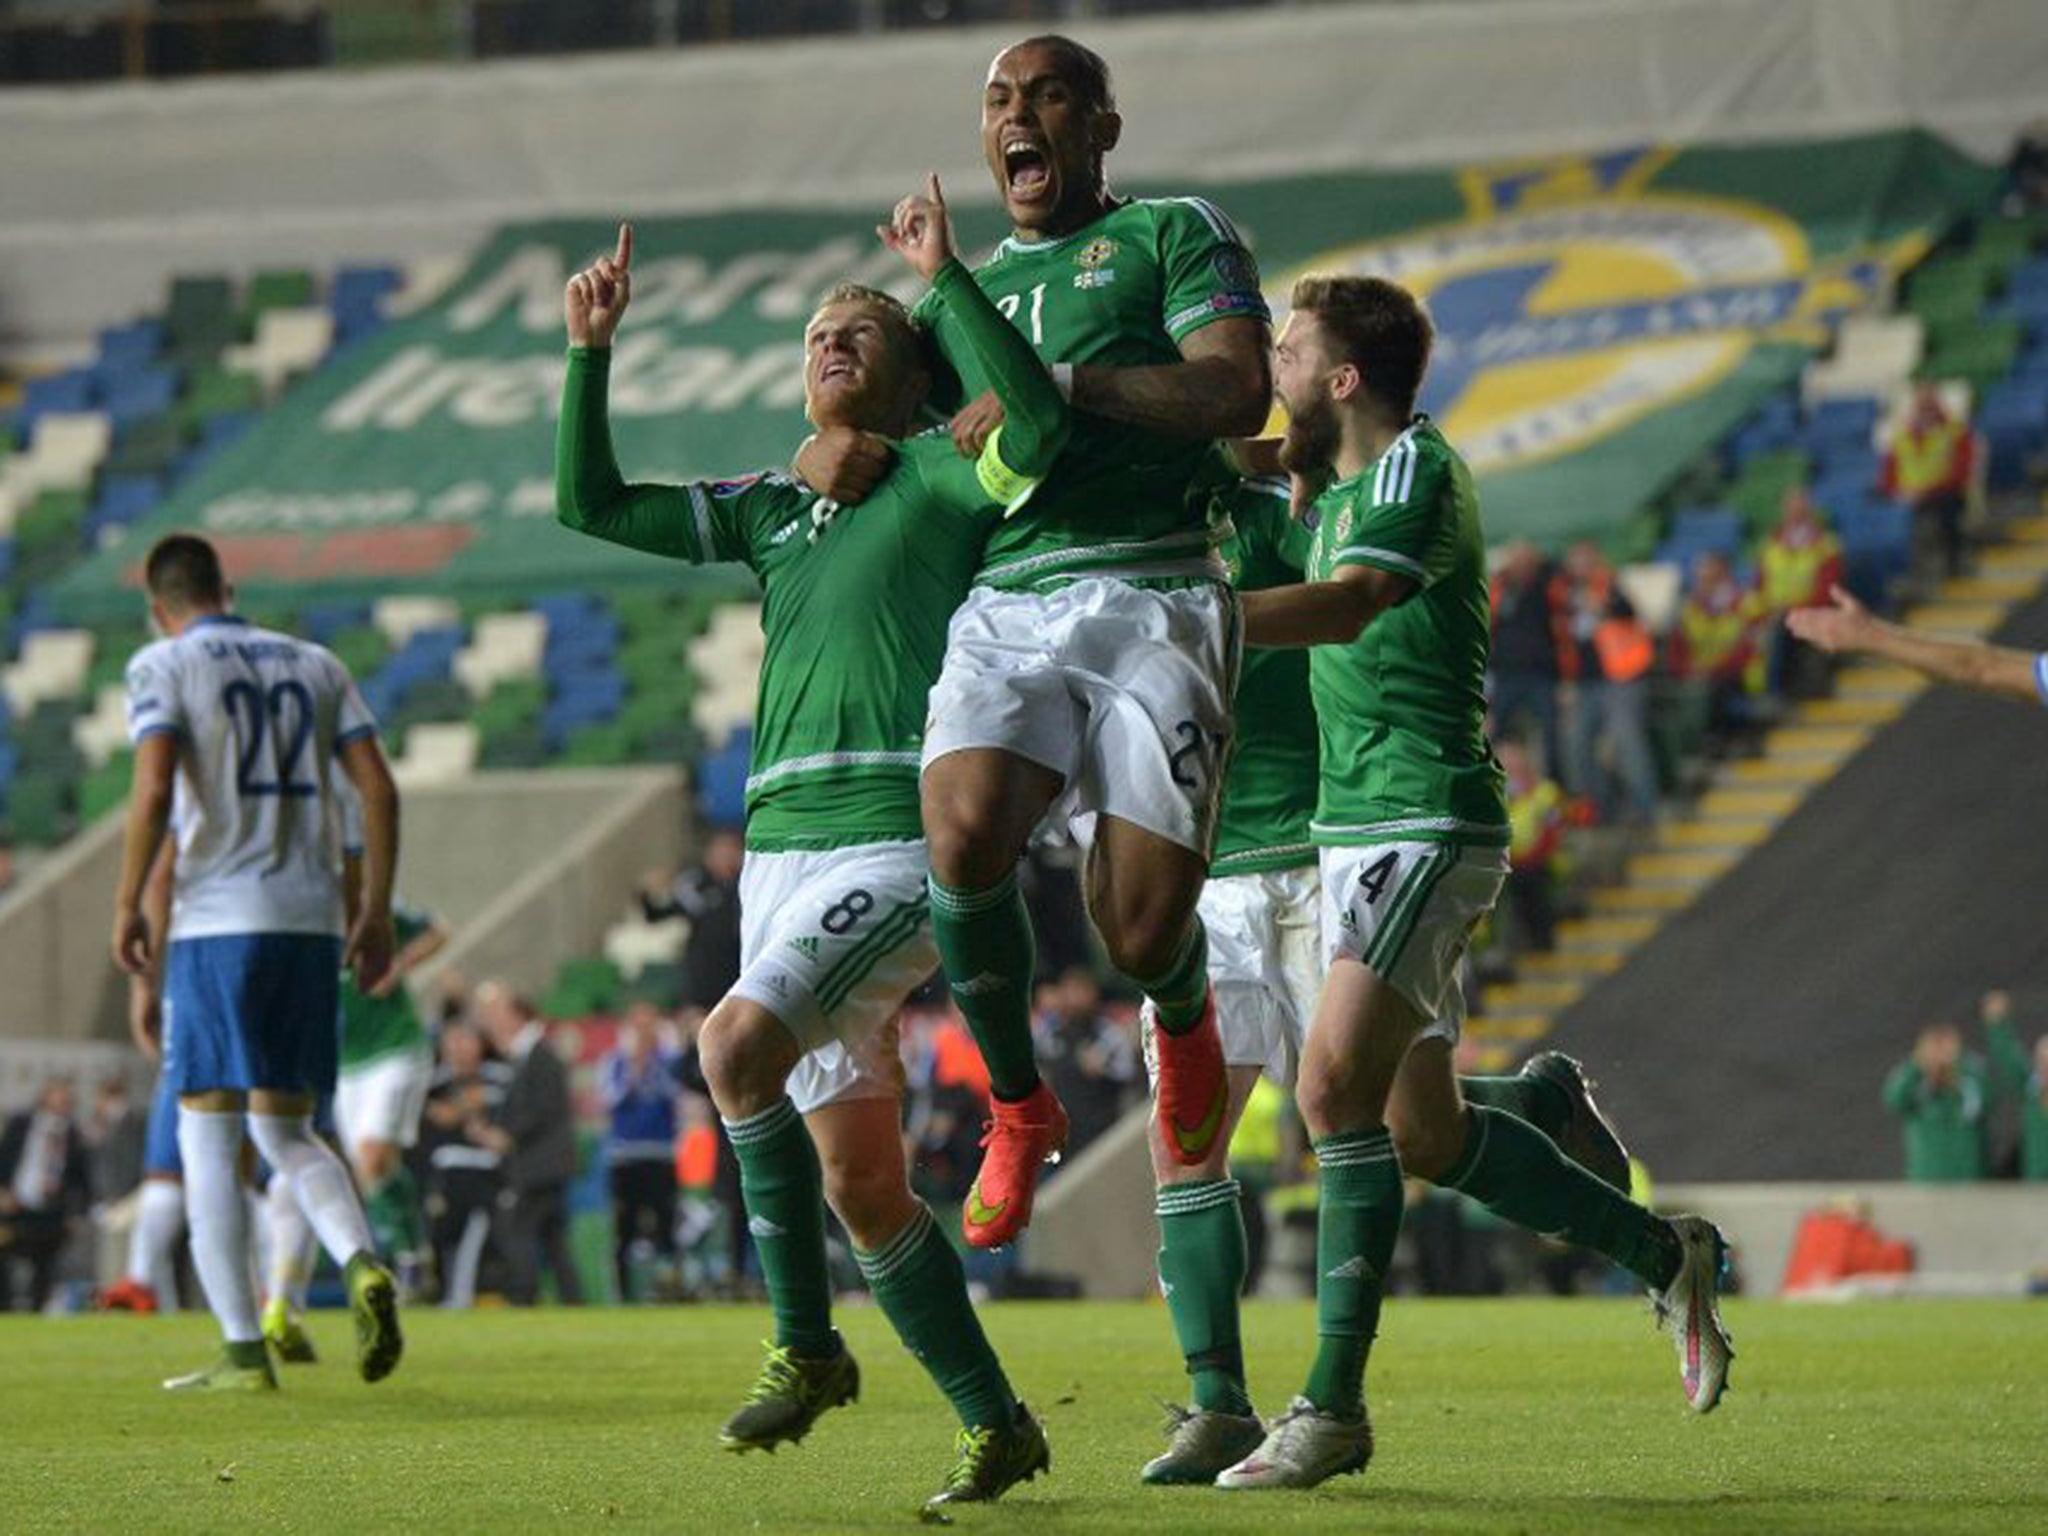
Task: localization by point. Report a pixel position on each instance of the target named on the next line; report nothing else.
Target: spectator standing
(534, 1134)
(1800, 563)
(1606, 651)
(1927, 465)
(708, 897)
(45, 1190)
(1714, 647)
(119, 1127)
(1091, 1061)
(1536, 848)
(642, 1081)
(1528, 602)
(1941, 1095)
(464, 1172)
(2019, 1078)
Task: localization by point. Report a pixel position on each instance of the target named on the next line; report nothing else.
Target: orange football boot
(1019, 1139)
(1193, 1090)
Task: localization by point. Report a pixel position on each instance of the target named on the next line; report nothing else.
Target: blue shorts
(160, 1156)
(258, 1010)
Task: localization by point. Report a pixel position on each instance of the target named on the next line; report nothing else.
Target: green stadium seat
(362, 649)
(511, 705)
(1758, 493)
(660, 982)
(2003, 244)
(39, 809)
(518, 747)
(583, 986)
(148, 448)
(288, 289)
(51, 521)
(599, 746)
(216, 391)
(105, 787)
(671, 746)
(438, 698)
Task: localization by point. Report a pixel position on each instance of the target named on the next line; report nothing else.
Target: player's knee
(1330, 1100)
(1144, 936)
(969, 842)
(1427, 1149)
(872, 1202)
(739, 1061)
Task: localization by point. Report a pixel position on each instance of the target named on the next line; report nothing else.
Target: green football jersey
(1269, 793)
(855, 604)
(1123, 292)
(375, 1027)
(1401, 710)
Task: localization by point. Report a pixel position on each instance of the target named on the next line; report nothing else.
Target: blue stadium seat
(356, 300)
(126, 348)
(722, 779)
(1714, 528)
(139, 395)
(323, 621)
(9, 761)
(6, 570)
(124, 500)
(57, 392)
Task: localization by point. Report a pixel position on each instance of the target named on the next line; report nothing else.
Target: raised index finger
(931, 188)
(624, 255)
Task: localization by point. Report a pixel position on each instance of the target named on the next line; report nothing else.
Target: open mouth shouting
(1027, 170)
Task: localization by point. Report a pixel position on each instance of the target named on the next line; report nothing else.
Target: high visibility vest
(1530, 815)
(1713, 635)
(1791, 572)
(1626, 649)
(1923, 460)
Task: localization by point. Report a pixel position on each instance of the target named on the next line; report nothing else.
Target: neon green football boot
(240, 1368)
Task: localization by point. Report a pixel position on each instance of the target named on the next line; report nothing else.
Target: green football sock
(1516, 1172)
(1181, 993)
(985, 943)
(921, 1288)
(1356, 1226)
(784, 1192)
(1201, 1270)
(1534, 1099)
(393, 1209)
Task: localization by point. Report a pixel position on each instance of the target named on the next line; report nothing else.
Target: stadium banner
(1602, 321)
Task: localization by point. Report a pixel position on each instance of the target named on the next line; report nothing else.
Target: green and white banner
(1602, 320)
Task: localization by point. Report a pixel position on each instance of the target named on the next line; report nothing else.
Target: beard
(1310, 445)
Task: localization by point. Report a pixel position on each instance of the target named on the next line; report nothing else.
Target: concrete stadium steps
(1744, 807)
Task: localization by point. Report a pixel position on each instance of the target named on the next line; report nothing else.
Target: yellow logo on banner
(1574, 299)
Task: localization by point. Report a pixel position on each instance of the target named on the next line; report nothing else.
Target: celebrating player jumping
(1096, 655)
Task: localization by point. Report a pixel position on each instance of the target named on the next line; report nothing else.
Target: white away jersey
(259, 717)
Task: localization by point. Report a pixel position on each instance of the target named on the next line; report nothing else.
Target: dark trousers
(533, 1230)
(1534, 903)
(1946, 509)
(643, 1210)
(36, 1239)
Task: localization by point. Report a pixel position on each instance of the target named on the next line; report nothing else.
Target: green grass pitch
(1514, 1416)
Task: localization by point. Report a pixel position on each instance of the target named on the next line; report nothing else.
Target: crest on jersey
(1094, 260)
(1340, 534)
(1575, 299)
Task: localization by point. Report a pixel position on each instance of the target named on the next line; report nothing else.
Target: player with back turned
(238, 731)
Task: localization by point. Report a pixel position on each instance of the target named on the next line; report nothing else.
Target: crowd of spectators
(1968, 1113)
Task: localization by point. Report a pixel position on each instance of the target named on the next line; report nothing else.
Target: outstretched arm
(1035, 424)
(591, 496)
(1847, 627)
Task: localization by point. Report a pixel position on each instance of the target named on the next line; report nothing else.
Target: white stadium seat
(401, 617)
(104, 731)
(728, 657)
(506, 645)
(53, 665)
(440, 752)
(1873, 355)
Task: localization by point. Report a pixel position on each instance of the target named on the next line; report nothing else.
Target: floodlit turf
(1492, 1416)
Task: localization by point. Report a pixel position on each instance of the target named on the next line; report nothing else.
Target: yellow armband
(1002, 483)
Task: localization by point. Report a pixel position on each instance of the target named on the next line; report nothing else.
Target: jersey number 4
(286, 708)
